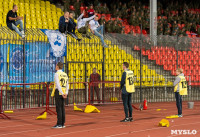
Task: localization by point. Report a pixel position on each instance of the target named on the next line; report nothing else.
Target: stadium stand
(43, 15)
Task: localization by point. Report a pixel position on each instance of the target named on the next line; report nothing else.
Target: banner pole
(24, 63)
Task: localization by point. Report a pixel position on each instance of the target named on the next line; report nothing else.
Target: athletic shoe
(131, 119)
(57, 126)
(22, 32)
(63, 126)
(125, 120)
(180, 115)
(23, 36)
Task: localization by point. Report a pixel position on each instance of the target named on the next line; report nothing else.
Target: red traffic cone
(145, 104)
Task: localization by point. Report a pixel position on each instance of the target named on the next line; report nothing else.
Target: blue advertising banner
(16, 64)
(40, 64)
(3, 63)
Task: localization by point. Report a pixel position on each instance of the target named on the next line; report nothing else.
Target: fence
(24, 96)
(154, 66)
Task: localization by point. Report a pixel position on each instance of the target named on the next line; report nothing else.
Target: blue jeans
(14, 26)
(127, 105)
(178, 102)
(100, 35)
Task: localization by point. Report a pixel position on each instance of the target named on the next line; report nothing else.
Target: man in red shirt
(91, 11)
(94, 77)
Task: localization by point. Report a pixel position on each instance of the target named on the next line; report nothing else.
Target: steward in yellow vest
(180, 88)
(127, 86)
(62, 79)
(60, 91)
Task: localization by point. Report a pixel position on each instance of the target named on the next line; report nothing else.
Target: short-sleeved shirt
(11, 14)
(94, 24)
(9, 22)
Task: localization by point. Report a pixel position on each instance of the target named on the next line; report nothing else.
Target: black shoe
(79, 40)
(57, 126)
(131, 119)
(125, 120)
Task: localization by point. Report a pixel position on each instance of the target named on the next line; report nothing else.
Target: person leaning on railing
(13, 20)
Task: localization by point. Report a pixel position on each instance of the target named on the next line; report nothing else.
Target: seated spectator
(95, 28)
(109, 26)
(104, 9)
(72, 26)
(91, 11)
(83, 25)
(13, 20)
(102, 21)
(116, 28)
(77, 6)
(63, 23)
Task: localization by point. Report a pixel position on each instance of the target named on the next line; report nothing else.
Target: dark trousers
(178, 102)
(96, 90)
(127, 104)
(60, 108)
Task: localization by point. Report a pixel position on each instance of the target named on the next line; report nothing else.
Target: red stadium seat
(82, 9)
(71, 7)
(144, 32)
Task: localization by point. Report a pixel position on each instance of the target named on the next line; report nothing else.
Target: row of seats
(39, 14)
(167, 57)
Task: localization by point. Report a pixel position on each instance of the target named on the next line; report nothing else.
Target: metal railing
(30, 61)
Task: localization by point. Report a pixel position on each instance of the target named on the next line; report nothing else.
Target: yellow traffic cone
(43, 116)
(90, 109)
(76, 108)
(8, 111)
(164, 123)
(172, 116)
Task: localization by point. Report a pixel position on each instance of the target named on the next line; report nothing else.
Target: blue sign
(3, 63)
(39, 63)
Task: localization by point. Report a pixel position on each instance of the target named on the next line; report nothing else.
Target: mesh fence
(154, 66)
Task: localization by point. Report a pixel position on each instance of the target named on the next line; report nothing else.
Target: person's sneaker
(63, 126)
(57, 126)
(23, 36)
(180, 115)
(22, 32)
(125, 120)
(131, 119)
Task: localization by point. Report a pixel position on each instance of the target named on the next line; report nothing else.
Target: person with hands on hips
(60, 91)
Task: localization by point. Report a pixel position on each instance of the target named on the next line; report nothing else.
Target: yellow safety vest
(130, 88)
(182, 86)
(63, 78)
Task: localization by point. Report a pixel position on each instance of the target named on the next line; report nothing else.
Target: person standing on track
(180, 88)
(95, 77)
(127, 86)
(60, 91)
